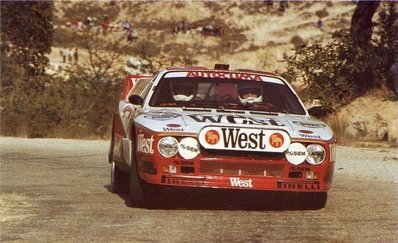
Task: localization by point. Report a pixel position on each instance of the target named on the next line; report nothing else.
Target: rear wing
(129, 83)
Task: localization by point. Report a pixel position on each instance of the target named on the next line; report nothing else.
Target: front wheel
(118, 179)
(137, 197)
(142, 194)
(314, 200)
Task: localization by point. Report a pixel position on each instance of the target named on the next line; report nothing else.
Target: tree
(26, 36)
(350, 65)
(361, 22)
(91, 90)
(27, 33)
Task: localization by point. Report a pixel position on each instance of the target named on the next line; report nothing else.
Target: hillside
(255, 36)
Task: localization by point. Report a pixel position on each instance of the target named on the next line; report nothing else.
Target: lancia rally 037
(217, 128)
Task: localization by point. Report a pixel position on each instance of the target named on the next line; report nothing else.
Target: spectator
(132, 35)
(88, 22)
(64, 54)
(175, 30)
(282, 6)
(319, 23)
(76, 56)
(70, 55)
(74, 24)
(80, 26)
(181, 26)
(394, 76)
(270, 4)
(105, 25)
(127, 25)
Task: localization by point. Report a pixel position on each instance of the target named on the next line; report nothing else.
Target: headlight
(316, 154)
(168, 146)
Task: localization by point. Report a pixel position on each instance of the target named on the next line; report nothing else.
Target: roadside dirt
(58, 190)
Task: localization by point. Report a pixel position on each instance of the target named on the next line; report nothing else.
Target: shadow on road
(218, 199)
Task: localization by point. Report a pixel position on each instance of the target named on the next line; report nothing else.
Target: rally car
(217, 128)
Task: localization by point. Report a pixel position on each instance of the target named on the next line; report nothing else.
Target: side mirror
(315, 108)
(317, 111)
(136, 100)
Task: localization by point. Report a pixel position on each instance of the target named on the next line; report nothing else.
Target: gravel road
(56, 190)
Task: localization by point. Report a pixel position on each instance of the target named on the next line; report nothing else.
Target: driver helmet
(183, 90)
(249, 93)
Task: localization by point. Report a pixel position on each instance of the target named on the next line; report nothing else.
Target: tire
(320, 199)
(112, 143)
(142, 194)
(118, 179)
(136, 185)
(314, 200)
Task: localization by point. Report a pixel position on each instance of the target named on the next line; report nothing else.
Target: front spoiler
(244, 183)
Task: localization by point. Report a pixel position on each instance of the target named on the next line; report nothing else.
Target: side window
(141, 88)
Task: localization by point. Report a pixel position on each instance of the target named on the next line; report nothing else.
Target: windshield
(217, 90)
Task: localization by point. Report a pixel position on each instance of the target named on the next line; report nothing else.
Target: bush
(338, 72)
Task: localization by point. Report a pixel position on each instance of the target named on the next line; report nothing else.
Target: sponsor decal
(309, 136)
(173, 128)
(188, 148)
(309, 124)
(299, 185)
(235, 119)
(161, 116)
(173, 125)
(238, 182)
(276, 140)
(246, 139)
(296, 153)
(306, 131)
(235, 138)
(299, 168)
(212, 137)
(224, 75)
(183, 162)
(145, 145)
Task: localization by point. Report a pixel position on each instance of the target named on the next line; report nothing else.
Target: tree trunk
(361, 22)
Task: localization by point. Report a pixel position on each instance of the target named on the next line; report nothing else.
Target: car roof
(217, 68)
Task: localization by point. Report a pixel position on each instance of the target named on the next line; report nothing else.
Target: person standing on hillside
(319, 24)
(76, 56)
(282, 6)
(105, 25)
(394, 76)
(64, 54)
(127, 26)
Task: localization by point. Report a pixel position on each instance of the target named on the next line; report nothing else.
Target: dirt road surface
(55, 190)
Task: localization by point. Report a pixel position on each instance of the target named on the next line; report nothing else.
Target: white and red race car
(217, 128)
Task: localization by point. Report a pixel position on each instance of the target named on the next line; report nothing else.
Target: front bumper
(240, 174)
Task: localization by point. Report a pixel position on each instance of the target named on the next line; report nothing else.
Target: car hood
(193, 122)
